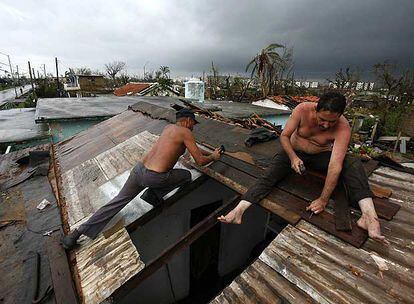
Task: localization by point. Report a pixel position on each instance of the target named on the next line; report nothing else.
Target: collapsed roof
(309, 259)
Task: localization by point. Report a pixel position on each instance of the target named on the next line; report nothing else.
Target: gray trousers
(352, 176)
(139, 178)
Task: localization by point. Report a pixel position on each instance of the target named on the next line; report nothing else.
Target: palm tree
(263, 63)
(165, 71)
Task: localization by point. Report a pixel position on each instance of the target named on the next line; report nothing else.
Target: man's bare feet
(369, 220)
(372, 225)
(235, 215)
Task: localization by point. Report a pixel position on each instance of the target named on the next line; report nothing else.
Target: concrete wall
(64, 129)
(168, 227)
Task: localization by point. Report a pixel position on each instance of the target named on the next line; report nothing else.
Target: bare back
(166, 151)
(309, 138)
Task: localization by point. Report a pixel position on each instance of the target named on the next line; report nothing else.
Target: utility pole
(31, 81)
(44, 70)
(57, 76)
(18, 76)
(11, 71)
(38, 75)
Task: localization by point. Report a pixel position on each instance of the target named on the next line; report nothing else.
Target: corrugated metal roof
(259, 283)
(104, 264)
(94, 166)
(17, 125)
(332, 271)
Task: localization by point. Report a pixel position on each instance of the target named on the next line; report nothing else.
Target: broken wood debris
(253, 122)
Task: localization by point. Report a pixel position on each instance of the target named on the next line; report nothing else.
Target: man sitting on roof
(317, 136)
(155, 172)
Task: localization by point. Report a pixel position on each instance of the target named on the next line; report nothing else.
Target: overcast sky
(188, 35)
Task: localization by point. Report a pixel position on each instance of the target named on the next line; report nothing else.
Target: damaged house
(178, 252)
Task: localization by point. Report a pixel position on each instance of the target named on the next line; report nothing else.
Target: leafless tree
(345, 79)
(84, 71)
(114, 68)
(387, 75)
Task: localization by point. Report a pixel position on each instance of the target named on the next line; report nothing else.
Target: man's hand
(216, 154)
(296, 164)
(318, 205)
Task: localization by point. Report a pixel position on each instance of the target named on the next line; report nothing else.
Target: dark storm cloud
(188, 35)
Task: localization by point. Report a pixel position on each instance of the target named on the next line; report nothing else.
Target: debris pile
(253, 122)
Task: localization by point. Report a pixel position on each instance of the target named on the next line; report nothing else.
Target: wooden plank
(379, 191)
(186, 240)
(342, 211)
(295, 199)
(386, 209)
(311, 187)
(288, 206)
(61, 276)
(280, 203)
(325, 221)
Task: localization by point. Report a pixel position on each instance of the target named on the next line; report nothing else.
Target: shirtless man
(317, 136)
(155, 172)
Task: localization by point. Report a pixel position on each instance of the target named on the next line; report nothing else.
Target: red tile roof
(293, 101)
(132, 88)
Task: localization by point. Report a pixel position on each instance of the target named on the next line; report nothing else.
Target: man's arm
(204, 152)
(199, 157)
(291, 126)
(340, 147)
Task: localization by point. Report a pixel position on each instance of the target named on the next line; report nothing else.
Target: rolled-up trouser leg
(355, 180)
(163, 183)
(98, 221)
(279, 168)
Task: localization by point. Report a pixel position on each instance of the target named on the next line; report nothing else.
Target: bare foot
(233, 217)
(372, 225)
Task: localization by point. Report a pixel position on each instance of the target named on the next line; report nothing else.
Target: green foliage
(46, 90)
(368, 123)
(162, 77)
(28, 103)
(392, 120)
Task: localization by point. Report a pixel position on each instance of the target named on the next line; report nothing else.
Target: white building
(194, 89)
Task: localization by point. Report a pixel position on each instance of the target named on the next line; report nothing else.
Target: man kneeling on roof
(155, 172)
(317, 136)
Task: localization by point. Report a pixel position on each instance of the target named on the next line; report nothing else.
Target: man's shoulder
(177, 130)
(305, 107)
(343, 125)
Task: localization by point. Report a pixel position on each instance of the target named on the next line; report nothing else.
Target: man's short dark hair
(333, 102)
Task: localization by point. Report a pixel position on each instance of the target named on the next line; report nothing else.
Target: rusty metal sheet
(259, 283)
(104, 264)
(94, 182)
(104, 136)
(94, 165)
(331, 271)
